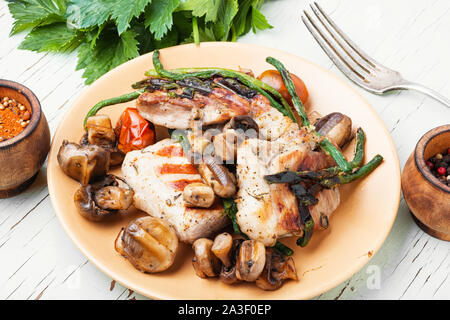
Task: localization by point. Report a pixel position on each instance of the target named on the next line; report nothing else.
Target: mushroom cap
(251, 260)
(336, 126)
(103, 198)
(277, 269)
(83, 163)
(198, 194)
(149, 244)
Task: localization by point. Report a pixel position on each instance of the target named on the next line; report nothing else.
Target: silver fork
(355, 63)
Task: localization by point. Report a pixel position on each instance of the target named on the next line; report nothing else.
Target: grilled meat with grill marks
(158, 175)
(265, 212)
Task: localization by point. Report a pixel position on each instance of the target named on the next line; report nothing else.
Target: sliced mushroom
(336, 126)
(251, 260)
(103, 198)
(198, 194)
(276, 270)
(228, 274)
(150, 244)
(205, 263)
(83, 163)
(218, 177)
(222, 248)
(100, 131)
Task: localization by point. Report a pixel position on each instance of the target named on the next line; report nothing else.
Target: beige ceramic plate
(357, 229)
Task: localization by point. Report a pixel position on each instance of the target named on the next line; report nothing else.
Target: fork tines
(345, 54)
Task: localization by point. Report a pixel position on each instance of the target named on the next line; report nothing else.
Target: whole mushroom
(100, 131)
(251, 260)
(217, 175)
(222, 248)
(149, 244)
(83, 163)
(103, 198)
(277, 269)
(205, 263)
(228, 273)
(198, 194)
(336, 126)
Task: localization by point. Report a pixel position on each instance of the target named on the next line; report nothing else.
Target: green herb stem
(195, 31)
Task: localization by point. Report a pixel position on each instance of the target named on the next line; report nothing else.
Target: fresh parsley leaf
(240, 20)
(53, 37)
(158, 16)
(28, 14)
(200, 8)
(110, 51)
(110, 32)
(171, 39)
(144, 37)
(86, 13)
(182, 21)
(259, 21)
(226, 13)
(125, 10)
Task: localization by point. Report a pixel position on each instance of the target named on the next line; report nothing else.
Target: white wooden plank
(410, 36)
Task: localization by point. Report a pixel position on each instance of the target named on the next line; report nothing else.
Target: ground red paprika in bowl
(24, 138)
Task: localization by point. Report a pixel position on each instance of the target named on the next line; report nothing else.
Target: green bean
(332, 171)
(347, 178)
(326, 145)
(298, 105)
(359, 150)
(205, 73)
(111, 101)
(338, 157)
(283, 249)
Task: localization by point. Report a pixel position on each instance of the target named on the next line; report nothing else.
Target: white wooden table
(39, 261)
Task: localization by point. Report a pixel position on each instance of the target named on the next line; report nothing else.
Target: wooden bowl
(428, 199)
(22, 156)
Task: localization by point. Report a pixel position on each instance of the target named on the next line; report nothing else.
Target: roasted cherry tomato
(133, 131)
(273, 79)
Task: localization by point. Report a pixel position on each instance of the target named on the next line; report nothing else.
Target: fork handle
(406, 85)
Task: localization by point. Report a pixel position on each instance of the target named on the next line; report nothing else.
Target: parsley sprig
(107, 33)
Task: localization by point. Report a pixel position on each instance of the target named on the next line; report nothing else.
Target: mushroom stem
(222, 248)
